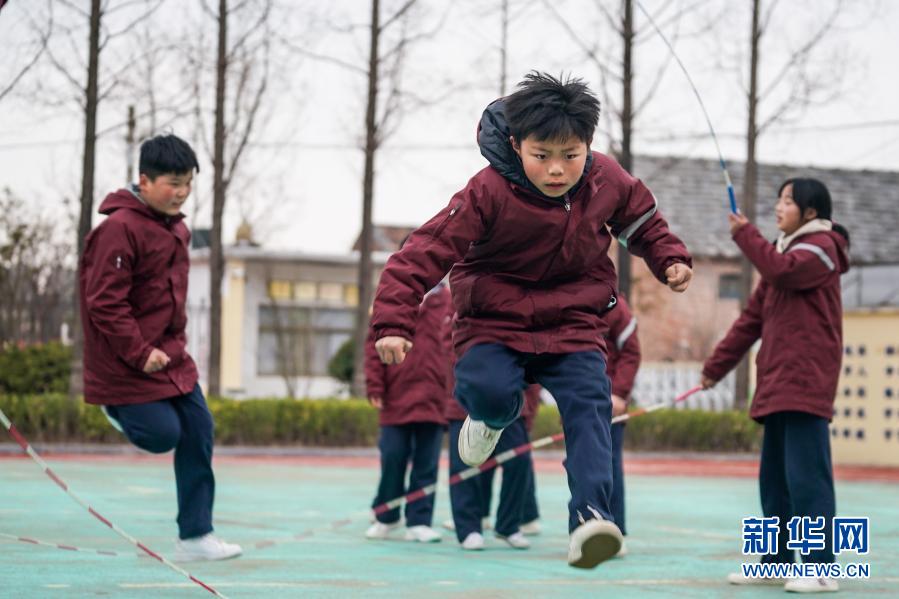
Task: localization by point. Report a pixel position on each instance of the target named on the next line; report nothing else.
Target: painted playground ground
(301, 521)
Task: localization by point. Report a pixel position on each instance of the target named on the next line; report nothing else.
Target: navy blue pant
(796, 478)
(468, 496)
(529, 509)
(182, 423)
(616, 503)
(490, 379)
(420, 442)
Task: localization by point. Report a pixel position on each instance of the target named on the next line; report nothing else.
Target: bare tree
(69, 58)
(86, 201)
(246, 59)
(797, 83)
(41, 27)
(618, 67)
(35, 272)
(387, 101)
(381, 119)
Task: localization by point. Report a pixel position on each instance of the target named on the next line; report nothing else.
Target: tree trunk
(365, 268)
(91, 99)
(129, 146)
(750, 178)
(627, 121)
(216, 254)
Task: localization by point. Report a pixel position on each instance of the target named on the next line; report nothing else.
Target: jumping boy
(133, 289)
(527, 240)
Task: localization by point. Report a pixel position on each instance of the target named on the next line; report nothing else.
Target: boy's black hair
(165, 155)
(552, 109)
(812, 193)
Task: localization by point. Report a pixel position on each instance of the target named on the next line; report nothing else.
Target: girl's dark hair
(811, 193)
(166, 155)
(552, 109)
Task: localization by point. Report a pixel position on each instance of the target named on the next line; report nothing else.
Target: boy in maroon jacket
(133, 289)
(410, 399)
(527, 240)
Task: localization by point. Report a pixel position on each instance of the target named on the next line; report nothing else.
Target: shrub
(341, 364)
(35, 369)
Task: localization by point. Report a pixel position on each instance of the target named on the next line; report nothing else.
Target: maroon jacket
(416, 390)
(797, 312)
(528, 271)
(622, 348)
(133, 290)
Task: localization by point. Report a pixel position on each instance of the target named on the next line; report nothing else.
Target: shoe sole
(463, 434)
(603, 544)
(180, 559)
(520, 547)
(417, 540)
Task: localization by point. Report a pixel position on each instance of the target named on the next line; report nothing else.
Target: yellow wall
(232, 324)
(865, 428)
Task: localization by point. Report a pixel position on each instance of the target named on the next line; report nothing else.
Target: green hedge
(346, 423)
(677, 430)
(35, 369)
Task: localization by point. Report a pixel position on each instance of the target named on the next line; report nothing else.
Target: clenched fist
(393, 350)
(679, 276)
(156, 361)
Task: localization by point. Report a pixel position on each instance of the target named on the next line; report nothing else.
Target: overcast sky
(301, 181)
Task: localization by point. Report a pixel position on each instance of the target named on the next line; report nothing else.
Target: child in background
(530, 512)
(410, 401)
(796, 310)
(470, 498)
(623, 353)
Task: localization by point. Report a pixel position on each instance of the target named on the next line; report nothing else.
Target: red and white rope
(514, 452)
(62, 485)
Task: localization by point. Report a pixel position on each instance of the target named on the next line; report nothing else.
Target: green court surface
(684, 535)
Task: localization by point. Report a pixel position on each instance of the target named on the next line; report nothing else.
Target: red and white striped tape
(62, 485)
(31, 541)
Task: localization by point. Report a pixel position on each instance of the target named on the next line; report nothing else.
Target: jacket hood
(843, 253)
(493, 140)
(128, 198)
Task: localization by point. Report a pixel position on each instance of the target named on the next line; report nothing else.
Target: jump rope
(410, 497)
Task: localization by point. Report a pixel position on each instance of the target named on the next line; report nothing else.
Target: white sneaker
(623, 551)
(423, 534)
(206, 548)
(449, 524)
(477, 441)
(812, 585)
(379, 530)
(530, 529)
(473, 542)
(593, 542)
(738, 579)
(115, 423)
(516, 540)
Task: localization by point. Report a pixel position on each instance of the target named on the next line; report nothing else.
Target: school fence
(661, 381)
